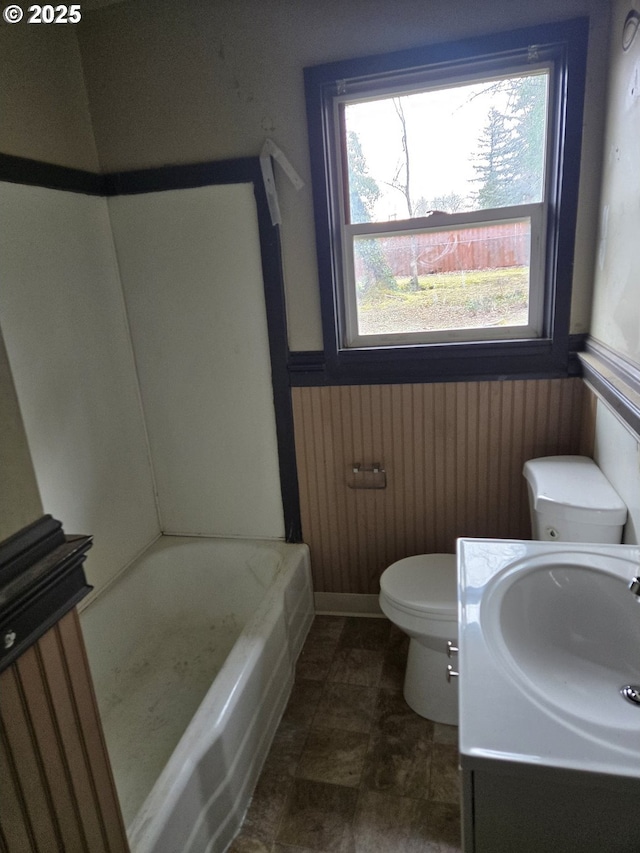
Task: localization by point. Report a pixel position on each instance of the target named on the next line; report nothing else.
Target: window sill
(533, 359)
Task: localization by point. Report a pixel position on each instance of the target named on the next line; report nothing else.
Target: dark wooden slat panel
(90, 727)
(29, 774)
(51, 750)
(15, 831)
(65, 716)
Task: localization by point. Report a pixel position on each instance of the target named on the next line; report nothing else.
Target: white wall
(192, 277)
(617, 453)
(65, 331)
(43, 99)
(19, 496)
(616, 306)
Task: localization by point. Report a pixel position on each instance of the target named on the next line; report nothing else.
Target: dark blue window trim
(548, 356)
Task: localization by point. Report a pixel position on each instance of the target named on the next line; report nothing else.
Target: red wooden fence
(485, 247)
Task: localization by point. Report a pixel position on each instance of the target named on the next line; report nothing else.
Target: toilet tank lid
(575, 489)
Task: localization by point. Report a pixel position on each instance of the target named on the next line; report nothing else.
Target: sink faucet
(634, 586)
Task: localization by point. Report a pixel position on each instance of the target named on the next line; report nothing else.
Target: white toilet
(570, 500)
(419, 595)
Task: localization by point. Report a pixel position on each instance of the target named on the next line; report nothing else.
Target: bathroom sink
(556, 632)
(568, 632)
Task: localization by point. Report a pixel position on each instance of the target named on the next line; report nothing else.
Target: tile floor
(352, 769)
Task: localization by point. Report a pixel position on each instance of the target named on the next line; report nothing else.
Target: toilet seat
(424, 585)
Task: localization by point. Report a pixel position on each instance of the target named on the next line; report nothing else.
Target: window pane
(464, 278)
(465, 147)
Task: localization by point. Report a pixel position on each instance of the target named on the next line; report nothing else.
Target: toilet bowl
(419, 595)
(570, 500)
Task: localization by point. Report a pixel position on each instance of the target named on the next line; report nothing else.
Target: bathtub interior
(171, 586)
(192, 680)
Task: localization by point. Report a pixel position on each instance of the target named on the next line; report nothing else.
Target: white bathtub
(192, 652)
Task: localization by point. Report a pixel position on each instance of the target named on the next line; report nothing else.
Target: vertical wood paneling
(438, 472)
(90, 729)
(57, 792)
(453, 453)
(32, 794)
(462, 460)
(14, 828)
(50, 749)
(70, 739)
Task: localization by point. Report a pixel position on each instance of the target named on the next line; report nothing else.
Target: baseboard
(347, 604)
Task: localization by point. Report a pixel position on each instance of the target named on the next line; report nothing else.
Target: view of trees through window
(451, 150)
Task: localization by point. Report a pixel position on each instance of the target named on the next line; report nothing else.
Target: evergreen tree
(364, 192)
(510, 160)
(494, 162)
(528, 108)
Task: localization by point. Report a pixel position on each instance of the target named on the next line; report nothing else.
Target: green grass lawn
(461, 300)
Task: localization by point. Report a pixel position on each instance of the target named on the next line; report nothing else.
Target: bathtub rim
(98, 591)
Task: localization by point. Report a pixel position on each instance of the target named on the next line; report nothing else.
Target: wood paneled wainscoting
(453, 455)
(58, 792)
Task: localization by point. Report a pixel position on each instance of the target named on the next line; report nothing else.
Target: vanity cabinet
(549, 634)
(509, 807)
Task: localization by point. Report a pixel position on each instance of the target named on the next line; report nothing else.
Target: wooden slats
(57, 791)
(453, 453)
(90, 731)
(33, 791)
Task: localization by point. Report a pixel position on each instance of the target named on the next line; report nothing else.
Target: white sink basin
(570, 633)
(550, 633)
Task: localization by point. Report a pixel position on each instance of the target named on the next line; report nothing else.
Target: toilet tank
(571, 500)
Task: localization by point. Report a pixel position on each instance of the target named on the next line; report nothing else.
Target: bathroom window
(445, 187)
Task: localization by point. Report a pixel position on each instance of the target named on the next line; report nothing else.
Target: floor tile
(315, 660)
(247, 844)
(352, 768)
(445, 734)
(394, 717)
(303, 703)
(267, 806)
(326, 628)
(357, 666)
(397, 767)
(384, 824)
(286, 750)
(399, 757)
(333, 756)
(444, 784)
(395, 662)
(319, 816)
(349, 707)
(359, 633)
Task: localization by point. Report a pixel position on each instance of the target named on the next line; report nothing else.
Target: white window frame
(534, 213)
(537, 214)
